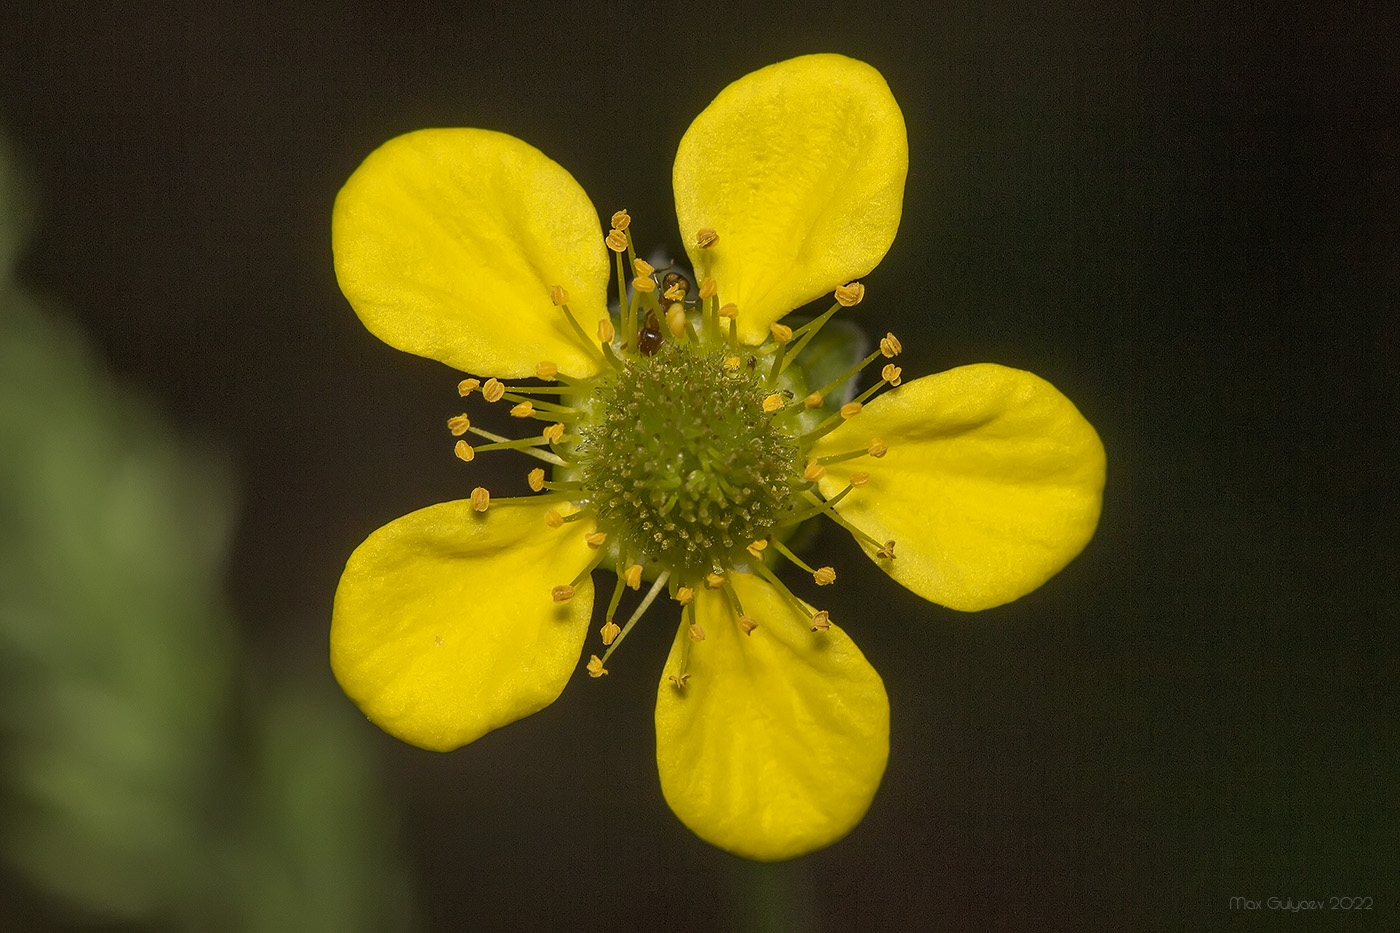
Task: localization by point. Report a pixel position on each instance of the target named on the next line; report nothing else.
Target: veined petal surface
(444, 627)
(448, 241)
(799, 167)
(778, 740)
(992, 483)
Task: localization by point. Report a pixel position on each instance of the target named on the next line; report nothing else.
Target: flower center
(683, 463)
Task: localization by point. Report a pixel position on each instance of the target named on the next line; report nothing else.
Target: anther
(850, 409)
(813, 401)
(595, 540)
(617, 241)
(825, 576)
(850, 294)
(890, 346)
(821, 622)
(714, 581)
(891, 374)
(756, 548)
(730, 311)
(644, 283)
(633, 576)
(493, 390)
(563, 593)
(886, 552)
(679, 680)
(609, 631)
(877, 448)
(621, 220)
(546, 370)
(558, 295)
(553, 519)
(781, 332)
(813, 471)
(859, 479)
(773, 403)
(595, 667)
(747, 624)
(732, 362)
(606, 331)
(675, 319)
(523, 410)
(467, 387)
(642, 267)
(464, 451)
(706, 238)
(553, 433)
(536, 479)
(458, 425)
(675, 291)
(696, 632)
(672, 281)
(481, 499)
(684, 595)
(708, 288)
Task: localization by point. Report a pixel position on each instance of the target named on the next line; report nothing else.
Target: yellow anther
(621, 220)
(559, 295)
(706, 238)
(458, 425)
(813, 471)
(887, 552)
(642, 267)
(464, 451)
(781, 332)
(546, 370)
(467, 387)
(553, 519)
(595, 539)
(679, 680)
(595, 667)
(821, 622)
(850, 409)
(523, 410)
(675, 319)
(684, 595)
(562, 594)
(536, 479)
(644, 283)
(610, 631)
(890, 346)
(617, 241)
(554, 433)
(730, 311)
(891, 374)
(850, 294)
(825, 576)
(756, 549)
(633, 576)
(859, 479)
(493, 390)
(747, 624)
(606, 331)
(676, 292)
(708, 288)
(696, 632)
(732, 362)
(813, 401)
(714, 581)
(877, 448)
(773, 403)
(481, 499)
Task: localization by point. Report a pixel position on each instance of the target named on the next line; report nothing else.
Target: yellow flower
(686, 445)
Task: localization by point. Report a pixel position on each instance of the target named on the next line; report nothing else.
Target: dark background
(1184, 216)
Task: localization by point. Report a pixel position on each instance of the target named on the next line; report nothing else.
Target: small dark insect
(650, 338)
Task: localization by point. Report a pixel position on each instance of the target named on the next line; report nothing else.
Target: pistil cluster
(689, 451)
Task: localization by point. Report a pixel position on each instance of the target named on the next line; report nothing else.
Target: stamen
(825, 576)
(595, 539)
(621, 220)
(696, 632)
(887, 552)
(859, 479)
(558, 295)
(708, 289)
(642, 267)
(732, 362)
(747, 624)
(877, 448)
(850, 294)
(523, 410)
(850, 409)
(553, 519)
(634, 576)
(644, 283)
(783, 550)
(890, 346)
(563, 593)
(554, 433)
(679, 680)
(606, 331)
(481, 499)
(714, 581)
(493, 390)
(808, 331)
(756, 549)
(617, 241)
(813, 401)
(773, 403)
(467, 387)
(464, 451)
(458, 425)
(706, 238)
(821, 621)
(546, 370)
(891, 374)
(781, 333)
(768, 574)
(675, 291)
(675, 320)
(813, 471)
(536, 479)
(684, 595)
(526, 445)
(595, 667)
(609, 631)
(642, 607)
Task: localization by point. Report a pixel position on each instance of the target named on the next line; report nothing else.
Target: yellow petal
(447, 243)
(776, 743)
(799, 167)
(444, 627)
(992, 483)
